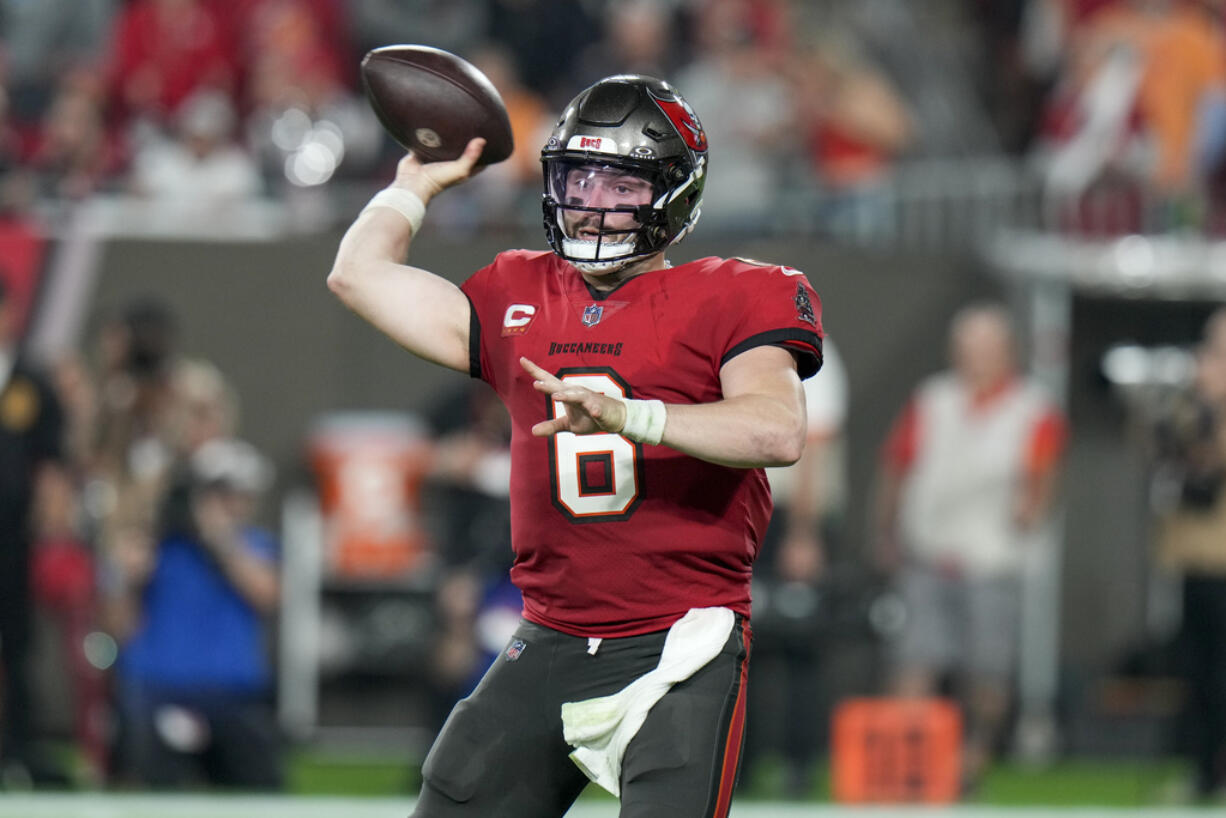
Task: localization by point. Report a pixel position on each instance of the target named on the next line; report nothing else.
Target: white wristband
(644, 421)
(404, 202)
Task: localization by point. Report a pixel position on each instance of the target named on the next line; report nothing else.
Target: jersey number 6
(597, 477)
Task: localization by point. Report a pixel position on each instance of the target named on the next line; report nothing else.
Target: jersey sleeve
(481, 290)
(826, 395)
(776, 306)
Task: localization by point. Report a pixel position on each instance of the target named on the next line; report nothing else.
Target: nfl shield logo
(591, 315)
(517, 647)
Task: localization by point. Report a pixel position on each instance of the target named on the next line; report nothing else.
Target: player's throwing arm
(423, 312)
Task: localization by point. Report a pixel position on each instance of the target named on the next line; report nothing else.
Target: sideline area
(105, 805)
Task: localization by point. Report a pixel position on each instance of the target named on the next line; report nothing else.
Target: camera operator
(1190, 438)
(195, 681)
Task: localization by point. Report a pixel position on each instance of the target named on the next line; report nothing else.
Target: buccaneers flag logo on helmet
(684, 120)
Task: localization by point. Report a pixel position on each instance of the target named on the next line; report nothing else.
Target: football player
(646, 399)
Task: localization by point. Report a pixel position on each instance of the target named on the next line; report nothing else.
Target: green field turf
(200, 806)
(1068, 783)
(347, 786)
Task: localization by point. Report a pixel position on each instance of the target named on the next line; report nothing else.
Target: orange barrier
(894, 750)
(370, 468)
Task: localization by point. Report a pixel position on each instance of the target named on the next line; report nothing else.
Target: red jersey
(611, 537)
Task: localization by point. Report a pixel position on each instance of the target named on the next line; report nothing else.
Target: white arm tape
(404, 202)
(644, 421)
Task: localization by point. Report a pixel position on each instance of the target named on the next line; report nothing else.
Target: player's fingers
(578, 399)
(409, 163)
(532, 369)
(541, 375)
(609, 413)
(594, 405)
(461, 167)
(420, 179)
(472, 152)
(551, 427)
(441, 175)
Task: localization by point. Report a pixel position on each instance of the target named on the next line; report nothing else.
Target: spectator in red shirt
(855, 125)
(164, 50)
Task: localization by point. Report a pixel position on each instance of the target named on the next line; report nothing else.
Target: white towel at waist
(600, 729)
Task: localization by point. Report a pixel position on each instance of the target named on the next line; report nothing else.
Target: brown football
(433, 102)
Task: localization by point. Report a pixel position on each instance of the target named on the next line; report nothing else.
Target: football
(433, 102)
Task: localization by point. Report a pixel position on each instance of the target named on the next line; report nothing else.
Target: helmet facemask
(600, 216)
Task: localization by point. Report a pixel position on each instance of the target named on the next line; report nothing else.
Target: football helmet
(637, 129)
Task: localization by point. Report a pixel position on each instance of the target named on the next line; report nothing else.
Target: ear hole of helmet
(655, 133)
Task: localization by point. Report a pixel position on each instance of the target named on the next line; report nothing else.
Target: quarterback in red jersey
(645, 400)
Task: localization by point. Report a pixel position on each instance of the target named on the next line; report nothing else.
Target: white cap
(233, 463)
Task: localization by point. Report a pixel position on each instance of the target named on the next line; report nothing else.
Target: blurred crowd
(1121, 104)
(1116, 106)
(137, 563)
(195, 100)
(133, 516)
(136, 559)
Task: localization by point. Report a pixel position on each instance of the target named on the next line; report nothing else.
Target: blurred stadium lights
(100, 649)
(313, 149)
(289, 130)
(1132, 366)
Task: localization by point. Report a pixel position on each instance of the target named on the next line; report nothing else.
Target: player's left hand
(587, 412)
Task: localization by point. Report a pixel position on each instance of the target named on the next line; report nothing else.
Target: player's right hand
(431, 178)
